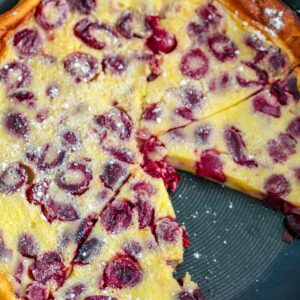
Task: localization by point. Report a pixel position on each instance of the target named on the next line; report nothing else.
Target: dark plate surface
(237, 251)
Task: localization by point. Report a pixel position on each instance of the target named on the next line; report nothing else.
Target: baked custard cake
(92, 97)
(68, 120)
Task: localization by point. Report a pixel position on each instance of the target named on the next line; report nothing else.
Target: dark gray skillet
(237, 251)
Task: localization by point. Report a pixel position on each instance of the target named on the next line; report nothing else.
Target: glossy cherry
(211, 165)
(117, 216)
(12, 178)
(194, 64)
(28, 42)
(75, 179)
(81, 66)
(122, 272)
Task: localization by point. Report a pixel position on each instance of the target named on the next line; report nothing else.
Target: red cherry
(117, 216)
(19, 272)
(43, 163)
(36, 291)
(294, 128)
(122, 154)
(185, 113)
(145, 213)
(160, 40)
(297, 173)
(17, 124)
(122, 272)
(222, 47)
(70, 139)
(115, 65)
(197, 32)
(281, 148)
(53, 210)
(210, 15)
(119, 122)
(291, 87)
(143, 190)
(27, 246)
(168, 230)
(81, 66)
(255, 43)
(210, 165)
(292, 224)
(278, 91)
(277, 186)
(131, 25)
(132, 248)
(196, 295)
(191, 98)
(45, 7)
(152, 113)
(185, 238)
(87, 250)
(237, 148)
(74, 291)
(153, 149)
(23, 97)
(277, 61)
(48, 268)
(262, 77)
(87, 31)
(202, 134)
(85, 7)
(161, 169)
(75, 178)
(85, 228)
(114, 174)
(15, 75)
(194, 64)
(28, 42)
(37, 193)
(12, 178)
(261, 104)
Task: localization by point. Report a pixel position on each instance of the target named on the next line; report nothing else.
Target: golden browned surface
(274, 18)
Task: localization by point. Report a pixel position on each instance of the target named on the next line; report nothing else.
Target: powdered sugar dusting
(275, 18)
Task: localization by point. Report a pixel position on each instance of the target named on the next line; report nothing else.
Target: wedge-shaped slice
(218, 61)
(133, 249)
(253, 147)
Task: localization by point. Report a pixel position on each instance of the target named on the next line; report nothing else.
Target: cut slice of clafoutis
(253, 147)
(134, 248)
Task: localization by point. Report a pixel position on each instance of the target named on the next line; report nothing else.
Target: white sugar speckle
(275, 18)
(197, 255)
(195, 215)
